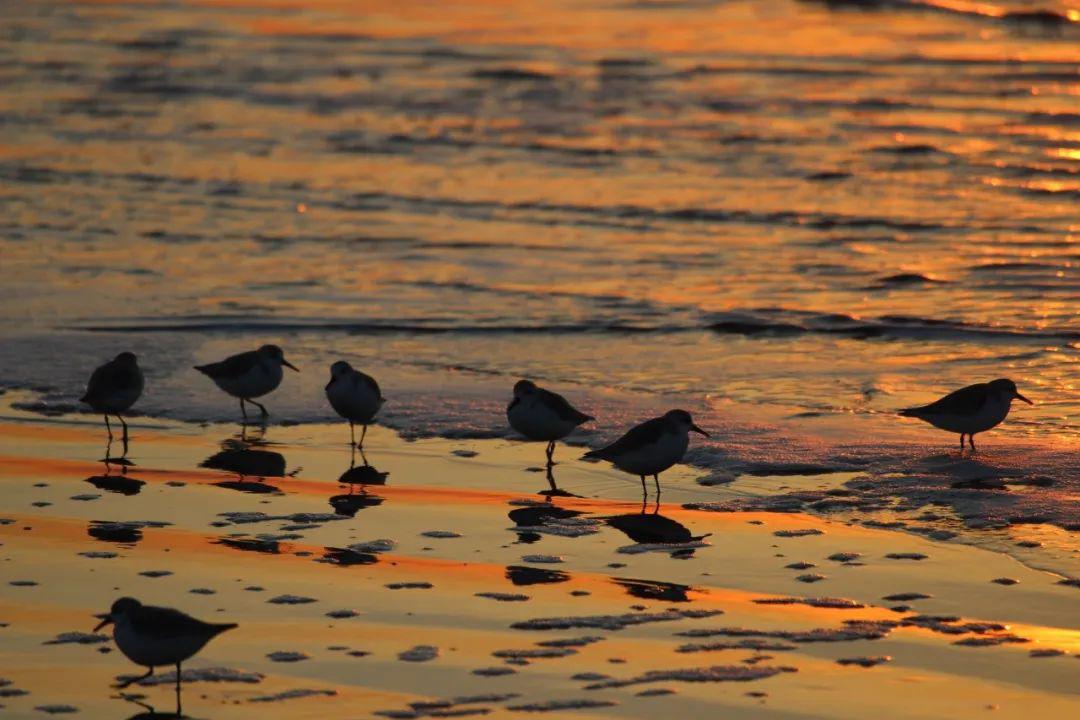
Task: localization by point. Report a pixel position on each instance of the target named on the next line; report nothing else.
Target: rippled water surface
(778, 214)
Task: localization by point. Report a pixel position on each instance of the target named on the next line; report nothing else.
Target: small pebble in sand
(23, 583)
(810, 578)
(57, 709)
(1005, 581)
(447, 534)
(419, 653)
(550, 559)
(287, 656)
(202, 591)
(1070, 582)
(865, 661)
(98, 554)
(589, 676)
(155, 573)
(800, 565)
(556, 705)
(1046, 652)
(571, 642)
(41, 503)
(844, 557)
(1029, 544)
(503, 597)
(580, 593)
(291, 600)
(292, 695)
(906, 556)
(176, 483)
(358, 653)
(616, 565)
(85, 497)
(342, 614)
(494, 671)
(757, 694)
(907, 597)
(655, 692)
(409, 586)
(465, 453)
(801, 532)
(254, 588)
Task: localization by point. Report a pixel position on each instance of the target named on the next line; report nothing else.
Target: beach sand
(688, 617)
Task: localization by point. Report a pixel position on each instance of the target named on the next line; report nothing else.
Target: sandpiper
(153, 636)
(540, 414)
(354, 396)
(113, 388)
(970, 410)
(651, 447)
(249, 375)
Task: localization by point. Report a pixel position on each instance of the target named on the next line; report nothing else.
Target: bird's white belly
(655, 458)
(353, 403)
(990, 415)
(537, 422)
(257, 381)
(153, 652)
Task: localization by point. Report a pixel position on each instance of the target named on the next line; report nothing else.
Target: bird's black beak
(105, 620)
(698, 430)
(288, 364)
(1021, 397)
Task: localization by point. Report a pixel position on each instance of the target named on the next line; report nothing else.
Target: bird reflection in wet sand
(150, 713)
(654, 589)
(652, 528)
(352, 502)
(247, 457)
(522, 575)
(120, 484)
(534, 515)
(113, 389)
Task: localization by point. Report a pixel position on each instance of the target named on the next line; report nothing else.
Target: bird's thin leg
(551, 478)
(961, 443)
(178, 682)
(656, 479)
(352, 433)
(971, 441)
(261, 408)
(243, 410)
(132, 681)
(644, 490)
(363, 434)
(352, 456)
(108, 428)
(121, 419)
(550, 453)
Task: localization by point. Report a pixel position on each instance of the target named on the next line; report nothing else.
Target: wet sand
(490, 597)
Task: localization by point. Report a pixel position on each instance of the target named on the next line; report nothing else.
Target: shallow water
(791, 218)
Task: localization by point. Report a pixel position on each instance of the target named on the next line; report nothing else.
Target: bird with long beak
(651, 447)
(249, 375)
(970, 410)
(154, 636)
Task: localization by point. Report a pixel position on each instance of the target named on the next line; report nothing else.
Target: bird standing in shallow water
(113, 388)
(651, 447)
(970, 410)
(153, 636)
(354, 396)
(249, 375)
(540, 414)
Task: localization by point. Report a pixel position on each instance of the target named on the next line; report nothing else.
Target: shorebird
(651, 447)
(113, 388)
(354, 396)
(152, 636)
(540, 414)
(970, 410)
(249, 375)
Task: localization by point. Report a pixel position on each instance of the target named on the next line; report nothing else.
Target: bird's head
(682, 420)
(523, 388)
(1007, 389)
(275, 354)
(126, 358)
(119, 610)
(340, 369)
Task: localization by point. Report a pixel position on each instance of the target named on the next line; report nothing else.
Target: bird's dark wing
(558, 405)
(965, 401)
(167, 623)
(368, 381)
(234, 366)
(638, 436)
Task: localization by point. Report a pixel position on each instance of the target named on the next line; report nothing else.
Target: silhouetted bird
(113, 388)
(540, 414)
(354, 396)
(154, 636)
(651, 447)
(970, 410)
(249, 375)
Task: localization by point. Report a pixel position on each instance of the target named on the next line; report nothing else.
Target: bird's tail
(204, 369)
(222, 627)
(594, 455)
(911, 412)
(85, 398)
